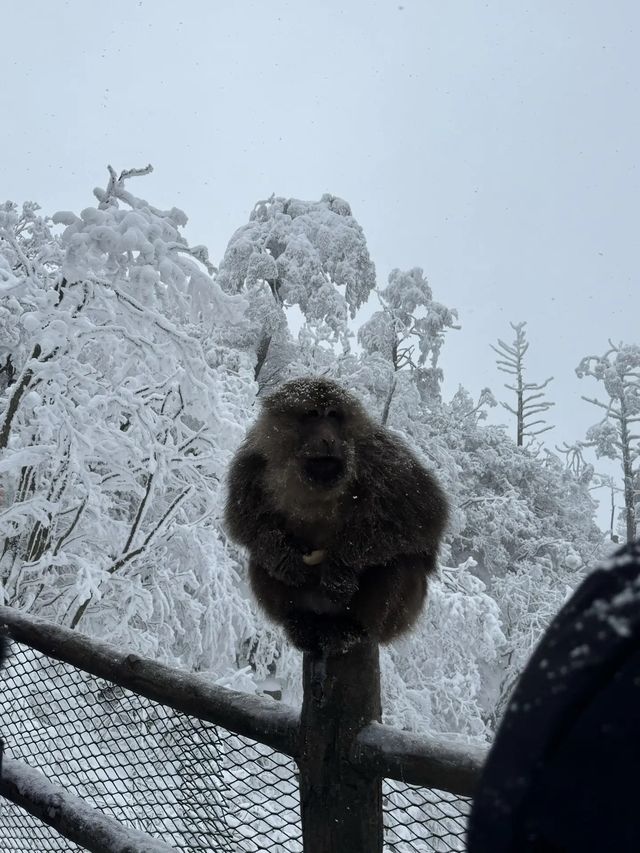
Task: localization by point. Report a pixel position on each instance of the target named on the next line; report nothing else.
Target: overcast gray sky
(494, 144)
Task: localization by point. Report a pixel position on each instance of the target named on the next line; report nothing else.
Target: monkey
(341, 520)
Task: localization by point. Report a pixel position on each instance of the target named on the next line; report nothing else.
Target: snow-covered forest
(130, 368)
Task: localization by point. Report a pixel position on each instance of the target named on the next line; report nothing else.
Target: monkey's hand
(281, 559)
(314, 558)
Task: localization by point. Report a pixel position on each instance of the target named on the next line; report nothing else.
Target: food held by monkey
(341, 521)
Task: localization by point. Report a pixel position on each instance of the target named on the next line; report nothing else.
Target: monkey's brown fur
(375, 512)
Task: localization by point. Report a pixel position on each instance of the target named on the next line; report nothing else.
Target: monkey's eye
(311, 414)
(335, 415)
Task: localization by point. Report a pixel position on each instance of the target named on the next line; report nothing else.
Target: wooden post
(340, 804)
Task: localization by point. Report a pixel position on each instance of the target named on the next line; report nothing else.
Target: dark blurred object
(562, 775)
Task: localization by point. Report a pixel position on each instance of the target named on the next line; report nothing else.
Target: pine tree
(617, 435)
(529, 395)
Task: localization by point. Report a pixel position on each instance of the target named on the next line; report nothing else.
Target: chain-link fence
(196, 786)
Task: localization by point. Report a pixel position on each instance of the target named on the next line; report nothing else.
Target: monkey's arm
(252, 522)
(390, 596)
(246, 503)
(387, 601)
(279, 555)
(399, 506)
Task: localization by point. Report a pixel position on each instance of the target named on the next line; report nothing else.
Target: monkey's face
(307, 435)
(321, 453)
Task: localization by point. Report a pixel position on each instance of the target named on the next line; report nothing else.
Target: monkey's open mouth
(324, 470)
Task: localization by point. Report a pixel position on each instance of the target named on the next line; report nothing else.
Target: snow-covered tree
(521, 526)
(530, 400)
(127, 377)
(303, 254)
(434, 680)
(116, 428)
(617, 435)
(408, 333)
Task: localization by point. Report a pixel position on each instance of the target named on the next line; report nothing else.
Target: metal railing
(202, 768)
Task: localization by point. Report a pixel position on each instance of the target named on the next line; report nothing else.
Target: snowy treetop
(312, 254)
